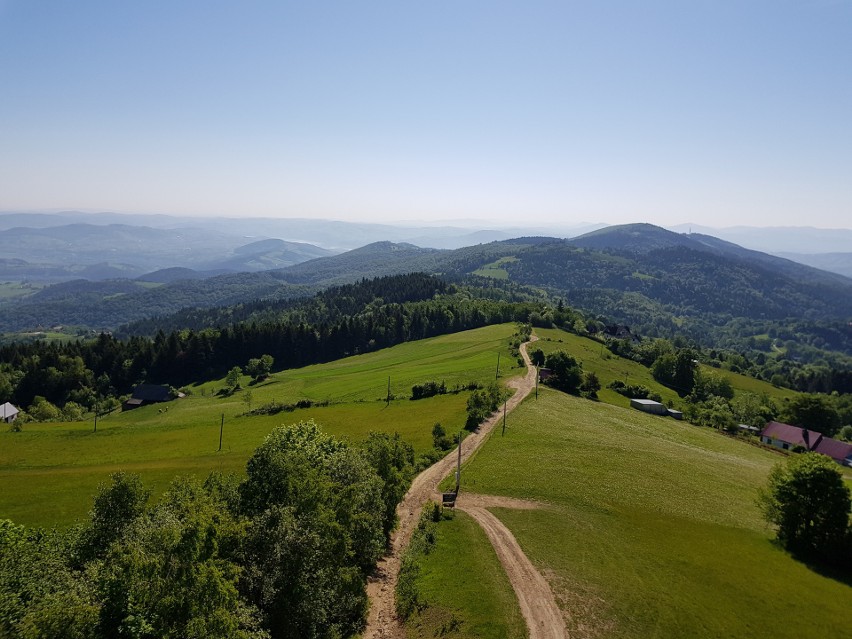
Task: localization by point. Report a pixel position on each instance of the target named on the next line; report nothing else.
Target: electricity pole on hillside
(536, 382)
(221, 431)
(504, 418)
(497, 374)
(387, 403)
(458, 465)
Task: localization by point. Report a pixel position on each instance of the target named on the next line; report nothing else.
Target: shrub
(428, 389)
(566, 374)
(482, 403)
(440, 441)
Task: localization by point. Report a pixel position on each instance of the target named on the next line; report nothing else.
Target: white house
(8, 413)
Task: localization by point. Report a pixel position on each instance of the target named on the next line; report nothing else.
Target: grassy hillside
(50, 471)
(652, 528)
(609, 367)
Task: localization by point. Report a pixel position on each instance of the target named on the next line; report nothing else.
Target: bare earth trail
(537, 603)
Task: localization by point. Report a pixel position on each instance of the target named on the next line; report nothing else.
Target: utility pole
(497, 374)
(96, 419)
(458, 466)
(536, 382)
(221, 431)
(504, 418)
(387, 403)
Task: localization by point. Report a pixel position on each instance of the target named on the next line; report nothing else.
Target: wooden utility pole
(536, 382)
(504, 419)
(458, 466)
(498, 367)
(221, 431)
(387, 403)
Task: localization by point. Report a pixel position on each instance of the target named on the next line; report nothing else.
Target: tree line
(345, 321)
(283, 553)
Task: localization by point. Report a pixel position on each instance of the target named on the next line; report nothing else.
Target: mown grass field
(466, 590)
(609, 367)
(49, 472)
(496, 270)
(651, 528)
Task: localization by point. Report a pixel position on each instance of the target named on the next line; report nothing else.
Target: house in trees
(8, 413)
(787, 437)
(149, 394)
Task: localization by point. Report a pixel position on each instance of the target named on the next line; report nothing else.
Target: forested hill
(342, 321)
(656, 280)
(687, 277)
(639, 239)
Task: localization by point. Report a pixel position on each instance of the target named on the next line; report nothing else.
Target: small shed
(649, 406)
(675, 413)
(8, 413)
(544, 374)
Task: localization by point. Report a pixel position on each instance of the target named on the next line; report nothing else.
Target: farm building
(841, 452)
(649, 406)
(787, 437)
(149, 394)
(8, 413)
(544, 374)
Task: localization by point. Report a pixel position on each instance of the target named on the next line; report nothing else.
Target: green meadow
(50, 471)
(651, 527)
(609, 367)
(496, 270)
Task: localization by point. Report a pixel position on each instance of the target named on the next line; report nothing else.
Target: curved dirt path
(538, 606)
(382, 621)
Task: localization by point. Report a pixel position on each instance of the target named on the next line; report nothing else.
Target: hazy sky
(716, 112)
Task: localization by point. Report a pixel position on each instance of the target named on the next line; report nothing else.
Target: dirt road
(538, 606)
(382, 621)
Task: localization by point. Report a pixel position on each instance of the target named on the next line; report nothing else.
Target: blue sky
(719, 113)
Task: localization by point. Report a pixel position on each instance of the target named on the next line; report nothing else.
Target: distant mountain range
(214, 247)
(834, 262)
(330, 234)
(96, 252)
(639, 274)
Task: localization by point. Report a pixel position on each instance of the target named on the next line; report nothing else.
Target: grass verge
(460, 587)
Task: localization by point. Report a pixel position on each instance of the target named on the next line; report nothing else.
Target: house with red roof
(787, 437)
(841, 452)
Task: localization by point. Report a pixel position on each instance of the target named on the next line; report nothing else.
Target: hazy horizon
(719, 114)
(468, 223)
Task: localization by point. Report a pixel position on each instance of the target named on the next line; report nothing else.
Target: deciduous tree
(809, 503)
